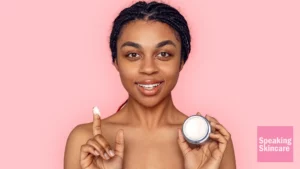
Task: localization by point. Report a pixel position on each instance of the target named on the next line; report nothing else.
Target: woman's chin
(150, 102)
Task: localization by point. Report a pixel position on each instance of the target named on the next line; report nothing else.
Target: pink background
(55, 65)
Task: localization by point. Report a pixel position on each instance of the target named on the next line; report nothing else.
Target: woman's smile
(149, 87)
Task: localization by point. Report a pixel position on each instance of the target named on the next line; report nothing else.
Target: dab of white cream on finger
(96, 111)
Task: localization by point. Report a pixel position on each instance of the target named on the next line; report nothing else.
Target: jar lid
(196, 129)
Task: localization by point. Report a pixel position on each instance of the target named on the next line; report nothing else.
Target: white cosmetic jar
(196, 129)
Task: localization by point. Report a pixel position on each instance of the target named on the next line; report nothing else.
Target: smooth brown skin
(147, 126)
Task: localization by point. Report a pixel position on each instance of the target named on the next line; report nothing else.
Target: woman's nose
(148, 66)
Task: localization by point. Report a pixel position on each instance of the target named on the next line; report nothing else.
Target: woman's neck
(150, 117)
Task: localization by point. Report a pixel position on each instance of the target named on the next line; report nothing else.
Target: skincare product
(196, 129)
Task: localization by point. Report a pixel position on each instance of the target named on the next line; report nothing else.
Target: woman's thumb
(119, 145)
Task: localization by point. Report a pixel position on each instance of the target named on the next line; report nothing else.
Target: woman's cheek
(127, 78)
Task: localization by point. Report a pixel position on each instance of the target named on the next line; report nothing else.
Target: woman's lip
(151, 92)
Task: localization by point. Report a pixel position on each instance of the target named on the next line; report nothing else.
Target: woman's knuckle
(101, 148)
(106, 146)
(98, 136)
(97, 128)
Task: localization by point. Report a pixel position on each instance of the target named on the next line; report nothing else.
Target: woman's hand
(97, 153)
(209, 154)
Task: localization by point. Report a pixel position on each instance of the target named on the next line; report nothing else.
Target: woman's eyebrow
(164, 43)
(159, 45)
(132, 44)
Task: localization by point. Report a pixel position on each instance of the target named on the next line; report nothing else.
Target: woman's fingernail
(96, 111)
(111, 152)
(106, 156)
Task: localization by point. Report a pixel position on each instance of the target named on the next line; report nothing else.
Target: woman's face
(148, 60)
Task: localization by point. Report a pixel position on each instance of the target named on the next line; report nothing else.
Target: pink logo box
(275, 143)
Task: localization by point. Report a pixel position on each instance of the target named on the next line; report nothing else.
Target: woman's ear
(181, 65)
(116, 64)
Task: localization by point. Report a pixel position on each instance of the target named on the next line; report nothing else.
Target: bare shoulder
(80, 133)
(228, 161)
(83, 132)
(181, 117)
(77, 137)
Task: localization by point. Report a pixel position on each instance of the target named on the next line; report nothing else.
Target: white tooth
(149, 86)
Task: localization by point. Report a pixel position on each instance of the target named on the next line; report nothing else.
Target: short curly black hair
(156, 11)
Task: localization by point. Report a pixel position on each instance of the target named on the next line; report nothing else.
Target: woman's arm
(228, 161)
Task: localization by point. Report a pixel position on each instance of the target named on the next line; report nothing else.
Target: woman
(150, 42)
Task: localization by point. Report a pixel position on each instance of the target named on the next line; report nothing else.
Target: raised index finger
(96, 121)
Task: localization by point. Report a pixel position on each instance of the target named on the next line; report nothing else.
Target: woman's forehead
(147, 32)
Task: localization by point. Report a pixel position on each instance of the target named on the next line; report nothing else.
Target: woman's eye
(163, 54)
(132, 55)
